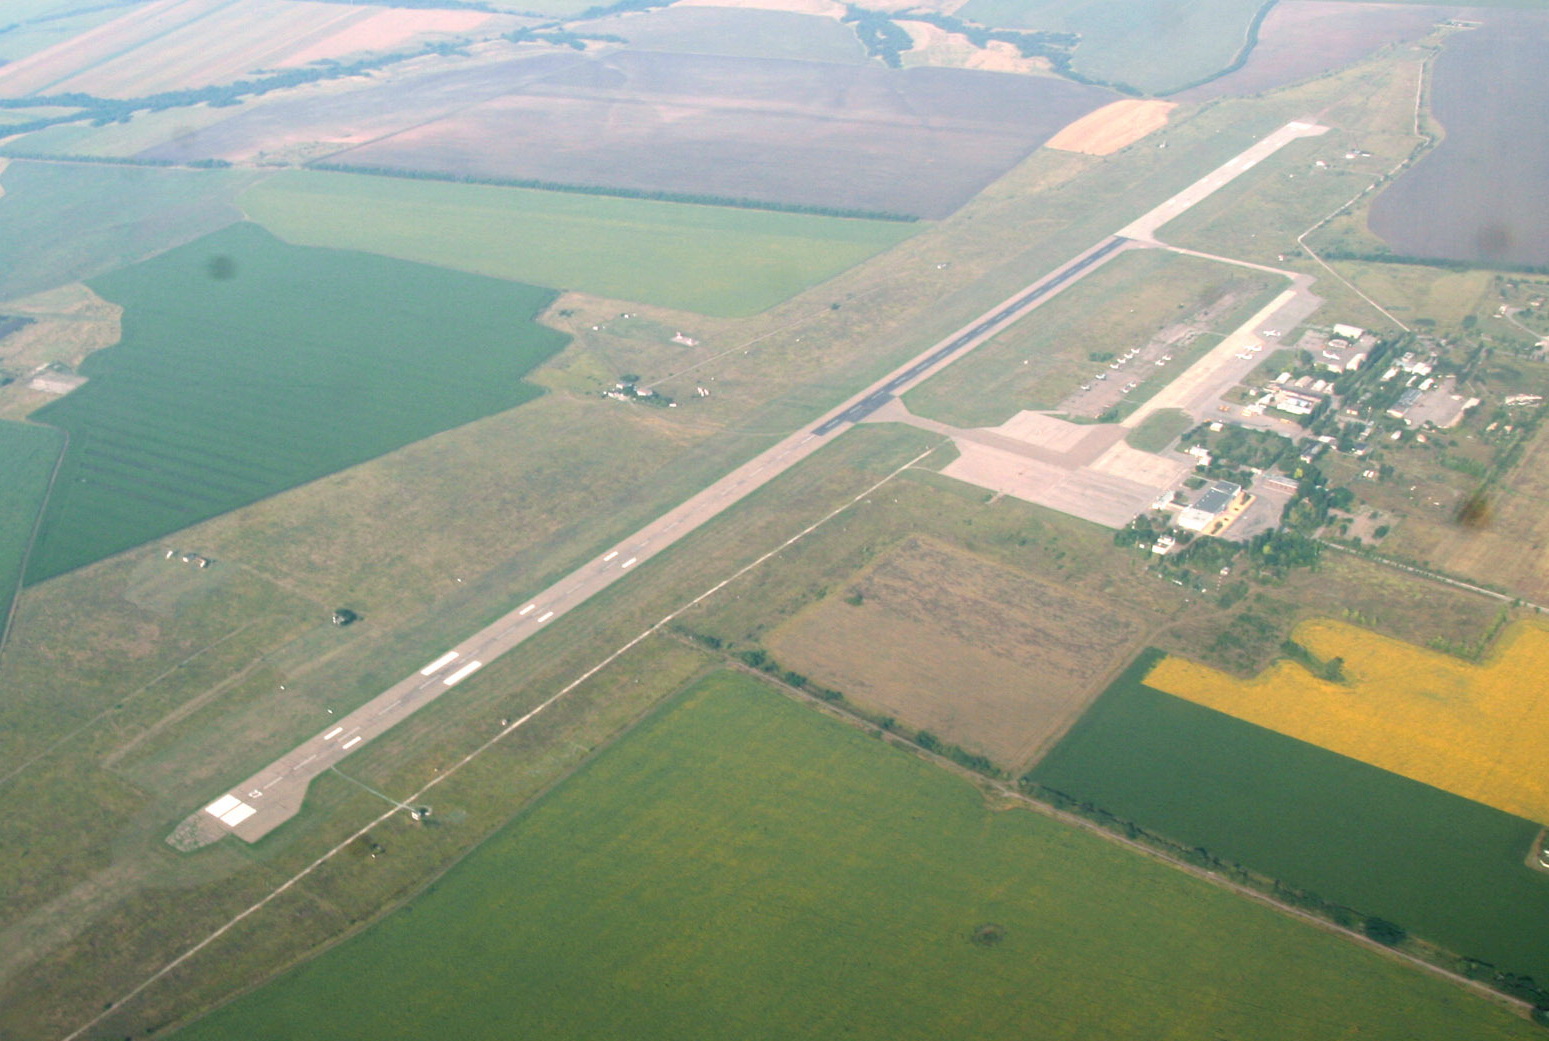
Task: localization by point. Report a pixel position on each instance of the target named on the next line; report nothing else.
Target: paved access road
(274, 794)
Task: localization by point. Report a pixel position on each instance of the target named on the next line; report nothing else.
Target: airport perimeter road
(274, 794)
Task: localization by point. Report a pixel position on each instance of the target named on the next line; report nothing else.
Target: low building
(1209, 507)
(1296, 402)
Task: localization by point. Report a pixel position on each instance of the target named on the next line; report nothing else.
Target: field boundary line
(989, 785)
(481, 749)
(1437, 576)
(32, 539)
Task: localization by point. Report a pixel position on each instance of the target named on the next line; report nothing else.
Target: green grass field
(1153, 45)
(743, 867)
(248, 366)
(1159, 429)
(715, 260)
(27, 456)
(1038, 361)
(69, 221)
(1447, 869)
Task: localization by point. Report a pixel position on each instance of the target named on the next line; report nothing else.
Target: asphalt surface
(264, 801)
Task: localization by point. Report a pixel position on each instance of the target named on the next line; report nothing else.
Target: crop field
(248, 366)
(27, 456)
(1155, 46)
(861, 137)
(739, 32)
(986, 657)
(1303, 38)
(660, 891)
(1045, 357)
(1445, 206)
(1474, 730)
(70, 221)
(1447, 869)
(171, 45)
(35, 25)
(714, 260)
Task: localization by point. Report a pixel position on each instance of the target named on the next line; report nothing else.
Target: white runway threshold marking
(230, 810)
(628, 562)
(545, 617)
(527, 609)
(352, 742)
(610, 556)
(335, 732)
(438, 663)
(461, 674)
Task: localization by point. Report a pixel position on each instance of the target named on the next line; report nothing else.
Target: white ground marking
(610, 556)
(545, 617)
(352, 742)
(527, 609)
(438, 663)
(225, 804)
(335, 732)
(462, 673)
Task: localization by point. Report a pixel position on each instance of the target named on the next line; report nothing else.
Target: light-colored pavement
(259, 804)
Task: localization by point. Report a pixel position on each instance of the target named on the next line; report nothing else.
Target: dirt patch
(823, 8)
(1113, 126)
(933, 45)
(983, 656)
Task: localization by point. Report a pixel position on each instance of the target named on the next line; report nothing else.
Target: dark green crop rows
(248, 366)
(1447, 869)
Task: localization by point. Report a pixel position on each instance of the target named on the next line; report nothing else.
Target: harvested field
(1304, 38)
(1474, 730)
(660, 892)
(738, 32)
(989, 658)
(716, 260)
(1445, 868)
(1462, 202)
(1113, 126)
(180, 44)
(823, 8)
(914, 141)
(318, 123)
(248, 366)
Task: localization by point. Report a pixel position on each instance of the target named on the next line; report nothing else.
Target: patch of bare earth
(934, 45)
(1112, 127)
(984, 656)
(822, 8)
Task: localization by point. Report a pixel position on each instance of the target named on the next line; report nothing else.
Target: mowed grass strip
(248, 366)
(714, 260)
(743, 867)
(1478, 731)
(1449, 870)
(27, 457)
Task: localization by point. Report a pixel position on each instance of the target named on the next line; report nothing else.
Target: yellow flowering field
(1479, 731)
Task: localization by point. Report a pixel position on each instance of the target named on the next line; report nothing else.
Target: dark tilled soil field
(915, 141)
(1304, 38)
(1480, 195)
